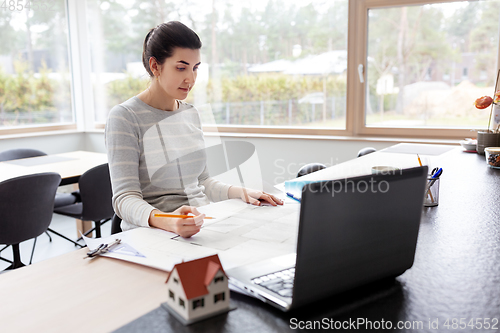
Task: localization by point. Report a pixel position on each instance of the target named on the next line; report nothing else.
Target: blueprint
(239, 233)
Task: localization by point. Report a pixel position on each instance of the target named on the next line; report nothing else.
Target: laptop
(351, 232)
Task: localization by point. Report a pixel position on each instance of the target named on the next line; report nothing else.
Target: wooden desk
(69, 165)
(455, 275)
(72, 294)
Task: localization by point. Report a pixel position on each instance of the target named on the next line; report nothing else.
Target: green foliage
(277, 87)
(119, 91)
(43, 90)
(27, 93)
(275, 95)
(275, 98)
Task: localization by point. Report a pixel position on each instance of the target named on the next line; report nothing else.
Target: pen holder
(432, 192)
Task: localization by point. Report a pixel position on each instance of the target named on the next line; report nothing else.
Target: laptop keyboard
(279, 282)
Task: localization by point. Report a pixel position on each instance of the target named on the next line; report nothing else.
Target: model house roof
(196, 275)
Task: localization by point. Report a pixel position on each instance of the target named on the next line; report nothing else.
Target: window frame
(13, 131)
(72, 18)
(220, 297)
(356, 91)
(81, 88)
(199, 303)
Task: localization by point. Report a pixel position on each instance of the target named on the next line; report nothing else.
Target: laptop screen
(357, 230)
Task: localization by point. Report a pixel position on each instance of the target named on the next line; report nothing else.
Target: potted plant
(490, 137)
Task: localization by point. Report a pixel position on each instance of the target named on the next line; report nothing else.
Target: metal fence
(9, 119)
(278, 113)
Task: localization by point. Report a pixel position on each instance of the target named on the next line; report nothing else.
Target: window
(35, 75)
(271, 66)
(219, 297)
(265, 64)
(277, 64)
(176, 281)
(181, 303)
(219, 279)
(198, 303)
(427, 63)
(171, 294)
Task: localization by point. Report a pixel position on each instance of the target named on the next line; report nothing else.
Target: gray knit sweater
(157, 160)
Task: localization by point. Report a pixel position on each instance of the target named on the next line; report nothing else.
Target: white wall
(95, 142)
(178, 291)
(47, 142)
(281, 158)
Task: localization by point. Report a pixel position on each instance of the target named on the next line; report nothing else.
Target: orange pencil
(180, 216)
(429, 189)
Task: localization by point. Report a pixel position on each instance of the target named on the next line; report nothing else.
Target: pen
(180, 216)
(436, 173)
(292, 196)
(435, 176)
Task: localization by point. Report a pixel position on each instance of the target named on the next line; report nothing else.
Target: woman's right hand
(184, 227)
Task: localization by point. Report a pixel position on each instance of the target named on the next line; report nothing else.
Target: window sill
(98, 130)
(331, 137)
(6, 135)
(95, 131)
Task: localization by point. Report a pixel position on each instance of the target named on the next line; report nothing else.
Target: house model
(197, 289)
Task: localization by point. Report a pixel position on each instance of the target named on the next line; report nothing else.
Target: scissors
(436, 173)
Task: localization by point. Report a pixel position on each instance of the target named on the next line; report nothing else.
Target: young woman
(155, 142)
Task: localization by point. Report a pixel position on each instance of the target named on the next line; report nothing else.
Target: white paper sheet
(240, 234)
(222, 209)
(156, 246)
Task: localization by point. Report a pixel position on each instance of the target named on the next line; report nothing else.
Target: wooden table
(69, 165)
(455, 275)
(72, 294)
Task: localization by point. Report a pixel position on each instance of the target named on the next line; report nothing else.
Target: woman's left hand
(254, 197)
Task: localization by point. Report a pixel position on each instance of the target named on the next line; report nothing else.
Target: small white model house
(197, 289)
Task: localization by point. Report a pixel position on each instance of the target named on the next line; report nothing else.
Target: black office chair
(308, 168)
(366, 151)
(14, 154)
(61, 199)
(116, 224)
(26, 205)
(95, 205)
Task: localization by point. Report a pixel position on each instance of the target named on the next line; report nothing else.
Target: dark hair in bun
(161, 41)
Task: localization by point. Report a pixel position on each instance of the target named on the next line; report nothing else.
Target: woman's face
(178, 73)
